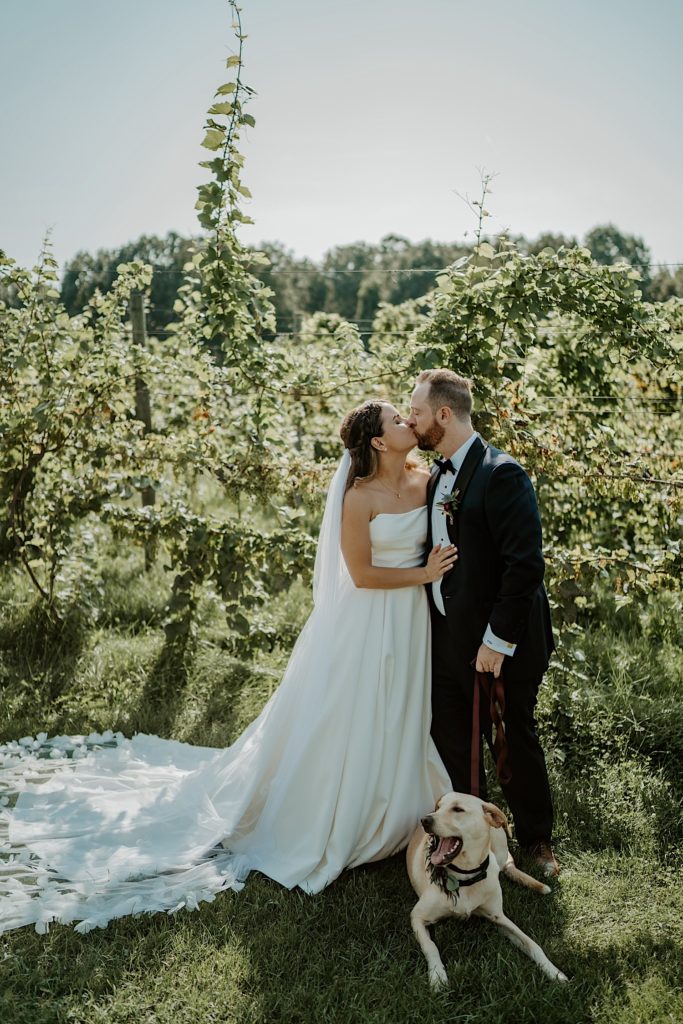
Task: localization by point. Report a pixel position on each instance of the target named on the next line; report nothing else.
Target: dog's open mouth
(445, 850)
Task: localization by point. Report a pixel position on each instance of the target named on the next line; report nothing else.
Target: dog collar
(444, 876)
(478, 874)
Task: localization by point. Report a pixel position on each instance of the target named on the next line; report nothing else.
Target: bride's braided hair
(357, 430)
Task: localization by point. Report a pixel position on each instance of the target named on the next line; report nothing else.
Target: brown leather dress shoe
(542, 856)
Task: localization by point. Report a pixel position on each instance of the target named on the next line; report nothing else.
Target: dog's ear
(494, 817)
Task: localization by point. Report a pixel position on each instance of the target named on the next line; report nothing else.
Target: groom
(491, 610)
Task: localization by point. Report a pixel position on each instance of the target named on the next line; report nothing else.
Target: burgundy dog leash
(494, 690)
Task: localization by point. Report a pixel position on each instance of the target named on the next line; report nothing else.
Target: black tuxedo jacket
(498, 577)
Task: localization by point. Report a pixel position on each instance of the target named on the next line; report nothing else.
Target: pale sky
(369, 114)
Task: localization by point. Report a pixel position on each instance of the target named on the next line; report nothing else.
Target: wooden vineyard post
(143, 409)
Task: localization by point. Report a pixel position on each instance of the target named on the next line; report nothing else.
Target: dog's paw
(438, 979)
(553, 972)
(546, 890)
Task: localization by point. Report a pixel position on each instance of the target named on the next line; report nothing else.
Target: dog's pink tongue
(443, 850)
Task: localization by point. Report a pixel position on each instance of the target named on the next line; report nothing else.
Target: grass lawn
(613, 734)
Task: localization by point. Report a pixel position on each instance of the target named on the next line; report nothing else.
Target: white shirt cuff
(498, 645)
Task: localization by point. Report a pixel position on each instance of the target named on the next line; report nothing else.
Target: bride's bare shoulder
(358, 498)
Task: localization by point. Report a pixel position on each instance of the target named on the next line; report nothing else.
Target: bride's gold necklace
(396, 494)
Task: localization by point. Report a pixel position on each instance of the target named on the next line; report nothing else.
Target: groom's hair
(447, 388)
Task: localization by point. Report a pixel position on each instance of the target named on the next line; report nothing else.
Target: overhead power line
(331, 271)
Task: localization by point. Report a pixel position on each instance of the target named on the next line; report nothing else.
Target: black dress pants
(528, 792)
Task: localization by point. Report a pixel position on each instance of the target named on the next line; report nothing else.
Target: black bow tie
(445, 466)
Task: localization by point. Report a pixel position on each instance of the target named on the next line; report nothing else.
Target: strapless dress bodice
(398, 538)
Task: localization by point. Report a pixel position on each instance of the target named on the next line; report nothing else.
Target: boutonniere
(450, 504)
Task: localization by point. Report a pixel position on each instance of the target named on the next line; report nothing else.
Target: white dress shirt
(444, 486)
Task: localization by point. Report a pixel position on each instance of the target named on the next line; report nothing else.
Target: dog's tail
(512, 871)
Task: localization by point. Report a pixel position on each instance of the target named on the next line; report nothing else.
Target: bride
(334, 772)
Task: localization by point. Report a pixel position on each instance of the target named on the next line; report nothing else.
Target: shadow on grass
(609, 980)
(232, 699)
(40, 653)
(346, 955)
(164, 692)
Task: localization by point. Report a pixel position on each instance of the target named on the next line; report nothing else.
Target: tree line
(351, 280)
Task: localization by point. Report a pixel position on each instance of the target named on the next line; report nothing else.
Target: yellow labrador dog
(454, 860)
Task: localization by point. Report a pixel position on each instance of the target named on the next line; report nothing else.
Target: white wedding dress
(335, 771)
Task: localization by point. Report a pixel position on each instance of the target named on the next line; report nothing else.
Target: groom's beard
(430, 440)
